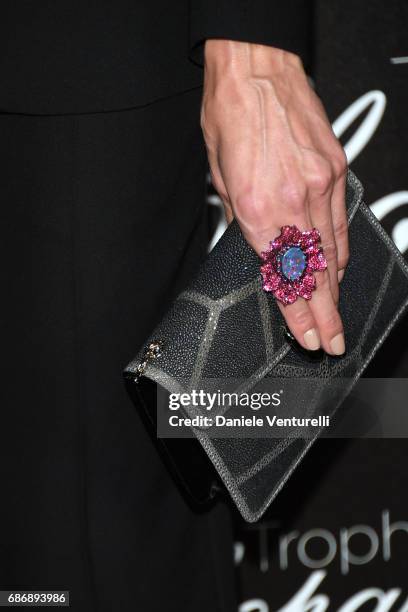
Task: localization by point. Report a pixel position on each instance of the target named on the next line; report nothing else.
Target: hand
(275, 161)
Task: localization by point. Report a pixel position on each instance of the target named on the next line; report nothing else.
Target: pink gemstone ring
(289, 263)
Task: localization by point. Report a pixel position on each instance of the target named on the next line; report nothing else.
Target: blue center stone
(293, 263)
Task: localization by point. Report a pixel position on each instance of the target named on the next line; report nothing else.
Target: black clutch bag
(224, 326)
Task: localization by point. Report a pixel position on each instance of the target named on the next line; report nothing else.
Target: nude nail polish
(338, 345)
(312, 340)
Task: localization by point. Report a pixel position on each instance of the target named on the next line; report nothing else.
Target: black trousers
(104, 220)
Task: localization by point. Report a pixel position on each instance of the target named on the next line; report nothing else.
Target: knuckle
(323, 281)
(320, 178)
(301, 319)
(252, 206)
(339, 162)
(330, 252)
(331, 323)
(294, 196)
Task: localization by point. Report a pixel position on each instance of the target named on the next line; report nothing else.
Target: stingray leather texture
(224, 326)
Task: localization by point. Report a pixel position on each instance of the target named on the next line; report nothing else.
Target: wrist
(251, 60)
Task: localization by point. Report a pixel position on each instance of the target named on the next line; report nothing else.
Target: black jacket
(76, 56)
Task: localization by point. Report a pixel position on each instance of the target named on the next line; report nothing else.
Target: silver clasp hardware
(153, 350)
(287, 333)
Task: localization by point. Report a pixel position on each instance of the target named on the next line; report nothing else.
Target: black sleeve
(285, 24)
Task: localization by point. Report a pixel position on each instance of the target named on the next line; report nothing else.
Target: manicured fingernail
(312, 339)
(340, 275)
(338, 345)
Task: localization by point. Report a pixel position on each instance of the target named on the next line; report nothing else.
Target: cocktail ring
(289, 263)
